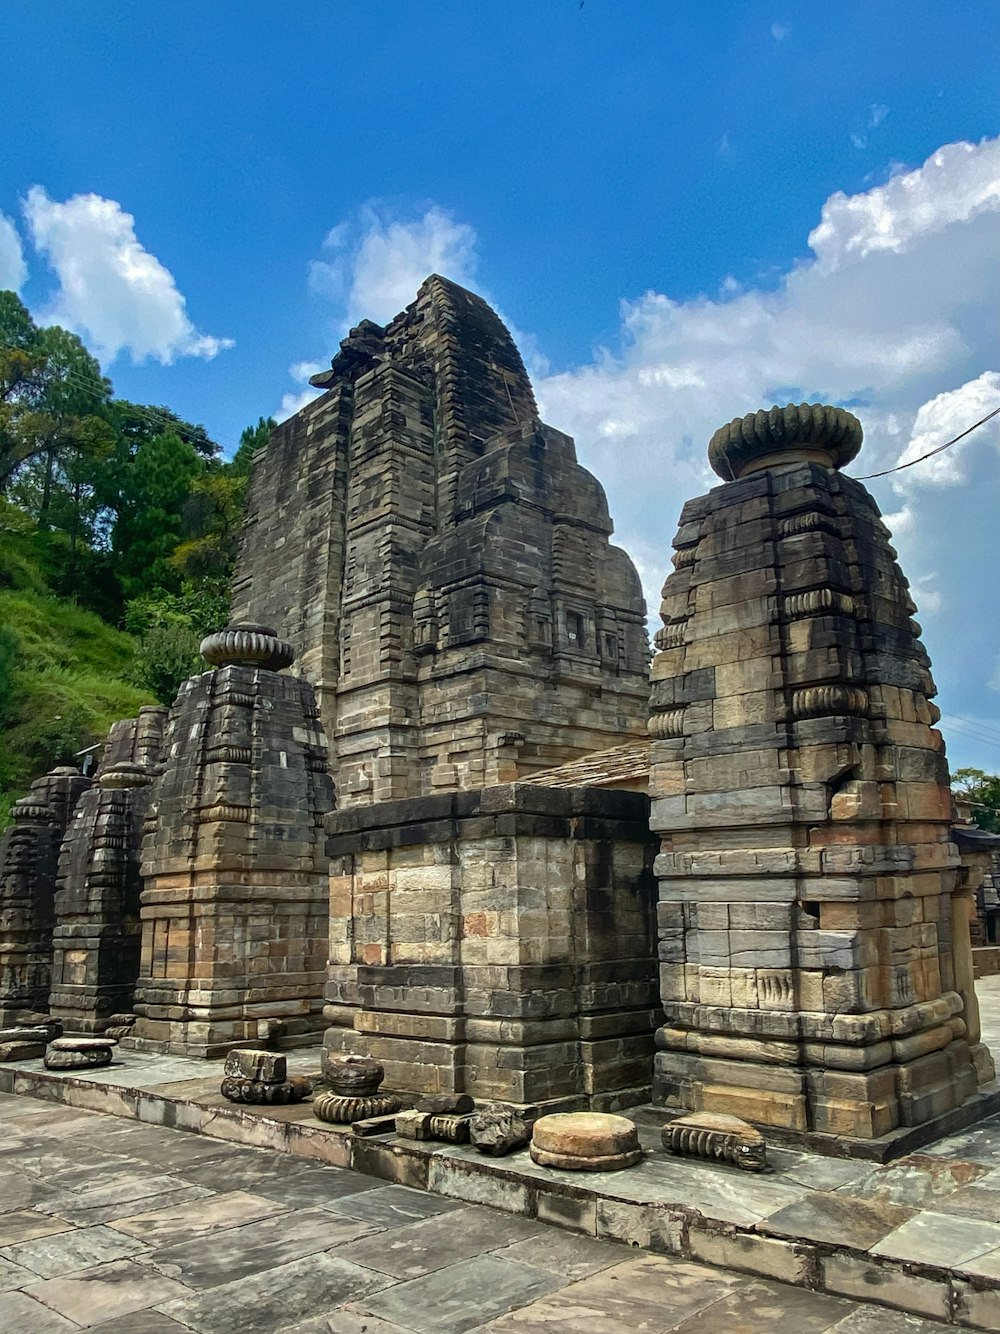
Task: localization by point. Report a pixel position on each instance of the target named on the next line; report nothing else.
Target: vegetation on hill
(119, 525)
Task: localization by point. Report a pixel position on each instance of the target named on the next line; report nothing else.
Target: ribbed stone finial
(247, 645)
(809, 431)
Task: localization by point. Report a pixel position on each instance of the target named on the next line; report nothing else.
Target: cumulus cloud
(13, 270)
(941, 419)
(373, 264)
(112, 291)
(779, 31)
(294, 401)
(893, 313)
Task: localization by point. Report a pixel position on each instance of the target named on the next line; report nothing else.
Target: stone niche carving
(97, 931)
(808, 942)
(29, 858)
(234, 901)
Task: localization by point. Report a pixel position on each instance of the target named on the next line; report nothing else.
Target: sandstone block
(585, 1141)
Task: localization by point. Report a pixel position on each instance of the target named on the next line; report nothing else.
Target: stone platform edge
(574, 1203)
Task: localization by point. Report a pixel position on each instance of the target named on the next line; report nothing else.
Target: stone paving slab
(810, 1221)
(413, 1262)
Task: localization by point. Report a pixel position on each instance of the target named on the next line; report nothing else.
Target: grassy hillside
(63, 673)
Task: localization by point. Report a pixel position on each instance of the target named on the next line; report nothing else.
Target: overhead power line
(931, 452)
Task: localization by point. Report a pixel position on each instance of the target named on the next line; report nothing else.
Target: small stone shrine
(96, 937)
(29, 859)
(235, 894)
(812, 950)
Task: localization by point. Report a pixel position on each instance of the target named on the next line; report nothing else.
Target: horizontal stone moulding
(816, 601)
(807, 522)
(673, 635)
(667, 725)
(821, 701)
(229, 755)
(222, 811)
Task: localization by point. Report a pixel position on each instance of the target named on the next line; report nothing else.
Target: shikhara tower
(442, 564)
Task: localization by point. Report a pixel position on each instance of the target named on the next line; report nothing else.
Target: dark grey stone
(394, 1206)
(469, 1293)
(277, 1298)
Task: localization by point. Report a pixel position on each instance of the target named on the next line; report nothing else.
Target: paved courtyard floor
(124, 1228)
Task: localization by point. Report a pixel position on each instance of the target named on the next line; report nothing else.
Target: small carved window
(610, 647)
(574, 630)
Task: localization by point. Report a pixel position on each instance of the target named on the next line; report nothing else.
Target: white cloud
(956, 184)
(941, 419)
(877, 114)
(779, 31)
(293, 402)
(374, 263)
(894, 314)
(112, 291)
(13, 270)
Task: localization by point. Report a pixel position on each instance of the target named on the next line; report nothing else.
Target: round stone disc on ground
(585, 1142)
(79, 1053)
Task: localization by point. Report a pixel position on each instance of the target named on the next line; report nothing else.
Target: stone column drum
(234, 904)
(802, 798)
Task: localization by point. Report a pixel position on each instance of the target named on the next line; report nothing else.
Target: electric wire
(931, 452)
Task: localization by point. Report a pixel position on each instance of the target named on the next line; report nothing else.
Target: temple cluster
(445, 819)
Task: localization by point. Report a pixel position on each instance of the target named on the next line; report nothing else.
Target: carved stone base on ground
(257, 1091)
(342, 1109)
(585, 1142)
(711, 1135)
(79, 1053)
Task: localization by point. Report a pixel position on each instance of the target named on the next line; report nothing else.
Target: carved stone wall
(97, 931)
(807, 929)
(29, 856)
(497, 942)
(234, 899)
(442, 561)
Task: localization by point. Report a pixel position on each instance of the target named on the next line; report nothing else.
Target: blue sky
(683, 210)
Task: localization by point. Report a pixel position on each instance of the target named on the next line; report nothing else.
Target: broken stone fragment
(36, 1033)
(266, 1067)
(23, 1050)
(498, 1130)
(716, 1136)
(424, 1126)
(585, 1142)
(446, 1104)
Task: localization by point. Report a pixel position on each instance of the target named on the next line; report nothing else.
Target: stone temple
(430, 803)
(441, 563)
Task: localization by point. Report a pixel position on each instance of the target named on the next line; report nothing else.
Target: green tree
(149, 524)
(252, 438)
(982, 791)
